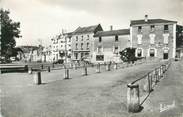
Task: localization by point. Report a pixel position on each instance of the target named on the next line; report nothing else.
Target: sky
(41, 20)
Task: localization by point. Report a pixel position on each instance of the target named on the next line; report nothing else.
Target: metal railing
(139, 90)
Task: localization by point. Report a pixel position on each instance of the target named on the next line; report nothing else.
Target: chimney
(111, 28)
(146, 18)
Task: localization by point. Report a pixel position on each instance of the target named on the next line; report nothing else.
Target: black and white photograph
(91, 58)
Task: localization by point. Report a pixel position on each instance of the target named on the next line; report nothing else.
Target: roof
(87, 29)
(113, 32)
(150, 21)
(69, 34)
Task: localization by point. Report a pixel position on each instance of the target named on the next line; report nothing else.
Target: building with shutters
(61, 47)
(153, 38)
(83, 42)
(108, 44)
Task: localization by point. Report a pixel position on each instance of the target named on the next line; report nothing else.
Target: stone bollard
(66, 74)
(85, 71)
(37, 78)
(133, 99)
(98, 68)
(149, 80)
(30, 70)
(115, 66)
(48, 68)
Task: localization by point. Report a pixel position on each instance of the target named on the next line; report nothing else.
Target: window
(100, 39)
(165, 54)
(165, 36)
(76, 38)
(76, 46)
(76, 55)
(139, 29)
(81, 46)
(116, 38)
(152, 36)
(151, 52)
(165, 28)
(87, 46)
(88, 37)
(82, 55)
(139, 39)
(139, 53)
(152, 28)
(99, 49)
(116, 50)
(82, 38)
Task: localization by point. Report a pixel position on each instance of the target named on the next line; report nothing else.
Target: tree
(179, 36)
(9, 31)
(128, 55)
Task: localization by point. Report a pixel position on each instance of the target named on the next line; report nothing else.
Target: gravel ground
(96, 95)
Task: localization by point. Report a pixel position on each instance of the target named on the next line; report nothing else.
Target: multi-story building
(68, 46)
(55, 48)
(83, 42)
(61, 47)
(153, 38)
(47, 54)
(108, 44)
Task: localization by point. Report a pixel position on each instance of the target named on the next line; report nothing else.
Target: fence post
(156, 75)
(98, 68)
(37, 78)
(161, 70)
(30, 70)
(66, 74)
(48, 68)
(53, 65)
(133, 99)
(149, 83)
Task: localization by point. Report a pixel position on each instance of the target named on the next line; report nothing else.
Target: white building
(61, 47)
